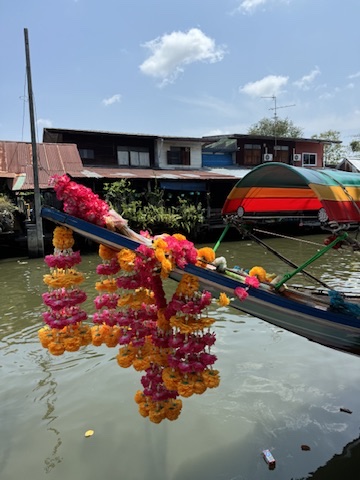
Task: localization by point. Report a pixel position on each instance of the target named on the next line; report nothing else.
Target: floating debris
(269, 459)
(305, 448)
(89, 433)
(345, 410)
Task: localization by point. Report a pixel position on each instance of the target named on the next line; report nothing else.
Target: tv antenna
(275, 108)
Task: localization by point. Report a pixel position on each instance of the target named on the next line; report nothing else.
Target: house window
(309, 159)
(281, 153)
(86, 153)
(133, 157)
(252, 154)
(178, 156)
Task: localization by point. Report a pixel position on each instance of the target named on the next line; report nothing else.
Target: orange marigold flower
(188, 285)
(126, 259)
(59, 278)
(211, 378)
(223, 300)
(72, 344)
(56, 348)
(106, 253)
(156, 416)
(173, 409)
(159, 243)
(179, 236)
(107, 285)
(258, 272)
(185, 389)
(199, 386)
(144, 409)
(63, 238)
(45, 336)
(139, 397)
(207, 254)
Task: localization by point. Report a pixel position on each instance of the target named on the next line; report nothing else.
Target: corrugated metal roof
(53, 159)
(119, 134)
(147, 173)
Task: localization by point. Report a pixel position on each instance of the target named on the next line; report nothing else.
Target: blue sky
(180, 67)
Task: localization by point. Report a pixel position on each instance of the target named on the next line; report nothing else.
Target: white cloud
(306, 80)
(44, 123)
(354, 75)
(249, 6)
(171, 52)
(270, 85)
(114, 99)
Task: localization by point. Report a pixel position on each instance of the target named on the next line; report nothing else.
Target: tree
(149, 210)
(355, 146)
(276, 127)
(334, 152)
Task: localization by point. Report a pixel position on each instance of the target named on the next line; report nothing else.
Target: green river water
(277, 391)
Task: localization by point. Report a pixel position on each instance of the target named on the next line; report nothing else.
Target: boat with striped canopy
(276, 190)
(269, 191)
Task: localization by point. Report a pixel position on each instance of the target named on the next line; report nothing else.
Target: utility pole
(37, 244)
(275, 108)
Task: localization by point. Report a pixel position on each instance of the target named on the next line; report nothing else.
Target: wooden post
(36, 248)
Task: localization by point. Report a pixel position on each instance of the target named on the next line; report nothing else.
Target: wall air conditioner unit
(297, 157)
(268, 157)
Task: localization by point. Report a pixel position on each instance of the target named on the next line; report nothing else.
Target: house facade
(127, 150)
(248, 151)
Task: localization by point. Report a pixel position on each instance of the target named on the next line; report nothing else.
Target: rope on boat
(338, 303)
(287, 238)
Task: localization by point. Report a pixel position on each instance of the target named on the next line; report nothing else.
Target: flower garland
(170, 341)
(106, 329)
(64, 331)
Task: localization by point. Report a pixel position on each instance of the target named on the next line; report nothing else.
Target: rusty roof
(53, 159)
(160, 174)
(61, 158)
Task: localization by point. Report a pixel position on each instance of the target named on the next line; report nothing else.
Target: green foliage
(333, 152)
(355, 146)
(7, 209)
(149, 211)
(279, 128)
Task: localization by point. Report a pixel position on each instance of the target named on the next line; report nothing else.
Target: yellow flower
(72, 344)
(211, 378)
(126, 259)
(166, 267)
(107, 285)
(45, 336)
(188, 285)
(258, 272)
(159, 243)
(63, 238)
(207, 254)
(144, 409)
(106, 253)
(179, 236)
(56, 348)
(59, 278)
(223, 300)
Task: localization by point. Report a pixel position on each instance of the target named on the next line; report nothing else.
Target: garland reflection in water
(170, 341)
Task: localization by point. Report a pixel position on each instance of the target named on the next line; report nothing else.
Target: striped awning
(279, 190)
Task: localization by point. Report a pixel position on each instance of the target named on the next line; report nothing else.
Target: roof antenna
(275, 108)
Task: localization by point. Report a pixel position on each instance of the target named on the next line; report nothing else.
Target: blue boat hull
(300, 313)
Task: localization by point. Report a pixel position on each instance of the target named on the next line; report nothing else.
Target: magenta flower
(252, 281)
(241, 293)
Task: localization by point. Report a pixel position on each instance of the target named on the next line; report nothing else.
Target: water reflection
(277, 391)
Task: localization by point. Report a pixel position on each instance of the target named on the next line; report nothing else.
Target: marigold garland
(169, 341)
(64, 316)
